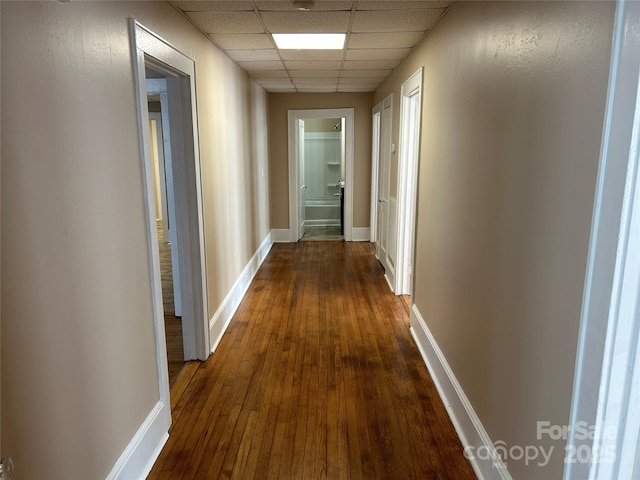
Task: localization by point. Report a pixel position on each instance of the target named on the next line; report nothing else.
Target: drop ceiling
(380, 34)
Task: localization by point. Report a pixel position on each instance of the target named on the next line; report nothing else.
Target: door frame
(607, 373)
(408, 161)
(294, 183)
(376, 120)
(149, 48)
(384, 200)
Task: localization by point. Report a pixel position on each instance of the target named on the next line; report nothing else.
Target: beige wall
(513, 104)
(321, 125)
(78, 356)
(279, 104)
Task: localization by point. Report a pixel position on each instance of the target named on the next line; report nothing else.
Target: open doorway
(160, 145)
(410, 125)
(320, 174)
(164, 64)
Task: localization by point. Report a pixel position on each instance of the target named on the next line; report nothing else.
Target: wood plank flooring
(316, 377)
(172, 324)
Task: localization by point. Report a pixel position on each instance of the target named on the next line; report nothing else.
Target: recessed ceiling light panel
(309, 41)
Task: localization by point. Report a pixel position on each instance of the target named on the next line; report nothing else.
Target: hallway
(317, 376)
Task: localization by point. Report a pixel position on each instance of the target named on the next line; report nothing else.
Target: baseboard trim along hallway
(143, 450)
(220, 320)
(470, 430)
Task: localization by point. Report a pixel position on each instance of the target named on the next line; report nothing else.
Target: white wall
(78, 358)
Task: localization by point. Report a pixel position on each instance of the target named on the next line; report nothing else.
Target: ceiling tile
(353, 88)
(310, 65)
(362, 80)
(253, 55)
(317, 81)
(260, 65)
(314, 73)
(273, 81)
(384, 40)
(238, 41)
(216, 6)
(310, 22)
(276, 5)
(396, 20)
(316, 88)
(227, 22)
(321, 55)
(290, 89)
(285, 82)
(400, 5)
(366, 73)
(268, 73)
(377, 54)
(370, 64)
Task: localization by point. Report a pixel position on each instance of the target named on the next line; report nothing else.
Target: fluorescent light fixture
(309, 41)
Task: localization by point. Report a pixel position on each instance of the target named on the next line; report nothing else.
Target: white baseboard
(138, 458)
(220, 320)
(360, 234)
(470, 430)
(281, 235)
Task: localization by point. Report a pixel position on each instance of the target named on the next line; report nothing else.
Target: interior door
(301, 178)
(383, 183)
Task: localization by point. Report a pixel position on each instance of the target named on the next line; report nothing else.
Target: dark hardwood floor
(316, 377)
(172, 324)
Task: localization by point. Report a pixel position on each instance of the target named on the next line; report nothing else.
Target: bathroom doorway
(320, 167)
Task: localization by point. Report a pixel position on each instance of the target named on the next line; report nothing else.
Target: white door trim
(376, 113)
(606, 388)
(150, 48)
(294, 184)
(411, 91)
(385, 202)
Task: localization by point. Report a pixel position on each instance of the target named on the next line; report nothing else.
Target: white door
(375, 166)
(383, 182)
(410, 120)
(301, 181)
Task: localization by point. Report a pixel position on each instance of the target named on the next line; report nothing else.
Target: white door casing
(410, 124)
(383, 184)
(606, 389)
(375, 165)
(149, 48)
(301, 178)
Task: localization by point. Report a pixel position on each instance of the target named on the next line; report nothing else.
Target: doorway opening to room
(410, 125)
(160, 145)
(173, 201)
(321, 174)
